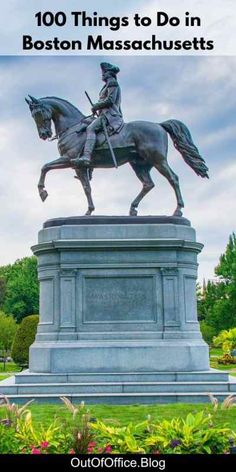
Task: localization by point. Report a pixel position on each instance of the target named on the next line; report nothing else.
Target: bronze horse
(142, 144)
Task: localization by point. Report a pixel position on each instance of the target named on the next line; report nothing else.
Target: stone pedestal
(118, 295)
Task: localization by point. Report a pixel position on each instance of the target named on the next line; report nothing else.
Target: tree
(226, 268)
(208, 332)
(217, 306)
(3, 288)
(21, 296)
(24, 338)
(7, 333)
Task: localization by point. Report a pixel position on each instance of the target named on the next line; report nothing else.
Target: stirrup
(84, 160)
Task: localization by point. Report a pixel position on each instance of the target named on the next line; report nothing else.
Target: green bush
(9, 444)
(208, 332)
(7, 333)
(24, 338)
(226, 339)
(226, 359)
(122, 440)
(194, 435)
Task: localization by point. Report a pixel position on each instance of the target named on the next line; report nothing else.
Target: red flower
(44, 444)
(92, 444)
(35, 450)
(108, 448)
(71, 451)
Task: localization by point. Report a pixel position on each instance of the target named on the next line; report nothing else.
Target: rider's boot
(85, 159)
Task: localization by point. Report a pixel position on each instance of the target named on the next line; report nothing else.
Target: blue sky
(200, 91)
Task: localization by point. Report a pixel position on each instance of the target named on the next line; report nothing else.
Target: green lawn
(214, 354)
(9, 367)
(4, 376)
(216, 351)
(122, 414)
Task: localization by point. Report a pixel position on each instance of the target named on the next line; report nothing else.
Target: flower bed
(82, 434)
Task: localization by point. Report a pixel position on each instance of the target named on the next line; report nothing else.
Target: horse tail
(183, 142)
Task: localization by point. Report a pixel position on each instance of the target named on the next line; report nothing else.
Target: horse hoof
(43, 195)
(133, 212)
(178, 212)
(89, 211)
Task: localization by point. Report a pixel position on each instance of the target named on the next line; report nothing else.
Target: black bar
(117, 462)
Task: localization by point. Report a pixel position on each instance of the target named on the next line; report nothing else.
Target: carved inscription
(119, 299)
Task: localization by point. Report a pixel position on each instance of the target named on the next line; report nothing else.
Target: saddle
(101, 142)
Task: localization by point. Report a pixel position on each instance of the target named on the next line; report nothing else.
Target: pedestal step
(120, 399)
(26, 377)
(121, 392)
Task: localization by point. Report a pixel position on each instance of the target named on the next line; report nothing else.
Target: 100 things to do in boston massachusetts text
(82, 19)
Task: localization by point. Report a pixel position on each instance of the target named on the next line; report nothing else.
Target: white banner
(141, 27)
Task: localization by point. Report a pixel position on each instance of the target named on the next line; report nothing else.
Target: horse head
(42, 116)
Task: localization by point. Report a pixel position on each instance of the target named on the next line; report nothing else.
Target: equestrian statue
(104, 140)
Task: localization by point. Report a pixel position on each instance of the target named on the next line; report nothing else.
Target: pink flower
(44, 444)
(92, 444)
(108, 448)
(35, 450)
(90, 450)
(71, 451)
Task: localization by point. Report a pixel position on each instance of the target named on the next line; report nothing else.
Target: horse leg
(83, 176)
(60, 163)
(143, 175)
(173, 179)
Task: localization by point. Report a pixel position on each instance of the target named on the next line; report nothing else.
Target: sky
(200, 91)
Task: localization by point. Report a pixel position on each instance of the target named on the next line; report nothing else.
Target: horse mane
(62, 100)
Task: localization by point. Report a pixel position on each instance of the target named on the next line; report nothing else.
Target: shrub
(194, 435)
(13, 411)
(24, 338)
(7, 333)
(39, 440)
(78, 432)
(226, 359)
(226, 339)
(9, 444)
(122, 440)
(208, 332)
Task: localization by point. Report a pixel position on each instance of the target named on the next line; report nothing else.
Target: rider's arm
(112, 91)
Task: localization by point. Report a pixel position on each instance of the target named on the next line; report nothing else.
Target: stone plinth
(118, 294)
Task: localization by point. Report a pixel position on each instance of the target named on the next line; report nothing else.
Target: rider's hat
(106, 67)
